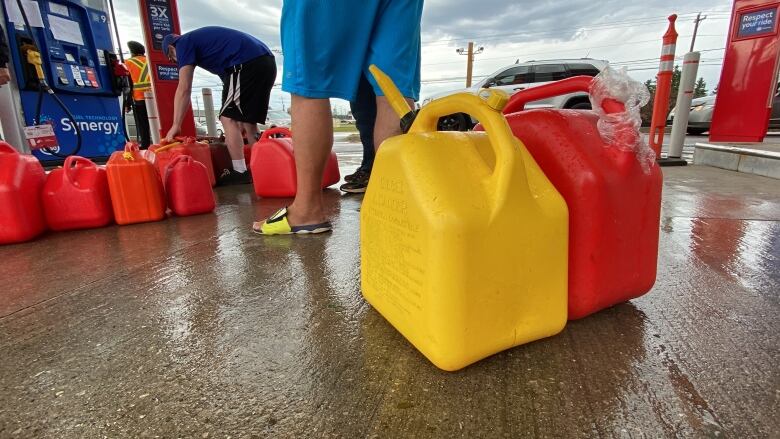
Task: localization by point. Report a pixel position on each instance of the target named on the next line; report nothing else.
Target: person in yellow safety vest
(139, 73)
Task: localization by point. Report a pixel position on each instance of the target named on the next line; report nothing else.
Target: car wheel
(696, 131)
(455, 122)
(581, 106)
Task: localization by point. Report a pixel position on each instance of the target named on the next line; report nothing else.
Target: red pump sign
(160, 18)
(749, 77)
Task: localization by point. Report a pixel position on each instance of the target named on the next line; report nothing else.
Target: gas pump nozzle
(33, 57)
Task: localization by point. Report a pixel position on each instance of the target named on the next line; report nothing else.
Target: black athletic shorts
(246, 90)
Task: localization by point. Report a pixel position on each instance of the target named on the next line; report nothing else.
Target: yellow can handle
(391, 92)
(486, 107)
(167, 147)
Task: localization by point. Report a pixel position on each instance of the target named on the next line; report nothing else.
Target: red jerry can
(188, 187)
(273, 165)
(613, 193)
(136, 188)
(21, 211)
(165, 153)
(220, 159)
(76, 196)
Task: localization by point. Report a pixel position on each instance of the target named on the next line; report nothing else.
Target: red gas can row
(614, 199)
(273, 165)
(83, 195)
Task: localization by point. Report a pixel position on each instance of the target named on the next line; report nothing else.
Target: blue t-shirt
(217, 48)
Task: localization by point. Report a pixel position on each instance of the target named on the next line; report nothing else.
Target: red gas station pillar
(749, 76)
(160, 18)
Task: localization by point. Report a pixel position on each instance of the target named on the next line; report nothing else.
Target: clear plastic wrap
(621, 130)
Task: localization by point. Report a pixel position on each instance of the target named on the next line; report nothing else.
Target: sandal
(277, 224)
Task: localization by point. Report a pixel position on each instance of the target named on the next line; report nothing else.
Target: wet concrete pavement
(195, 327)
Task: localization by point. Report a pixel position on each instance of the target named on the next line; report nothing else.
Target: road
(351, 152)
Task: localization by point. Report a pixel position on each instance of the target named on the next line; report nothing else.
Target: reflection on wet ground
(195, 327)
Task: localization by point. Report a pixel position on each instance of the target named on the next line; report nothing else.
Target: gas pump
(67, 76)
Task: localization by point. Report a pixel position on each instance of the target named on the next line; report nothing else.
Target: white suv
(518, 77)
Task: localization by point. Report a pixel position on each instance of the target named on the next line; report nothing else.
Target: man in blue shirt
(248, 71)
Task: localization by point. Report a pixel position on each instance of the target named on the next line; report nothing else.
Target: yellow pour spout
(397, 101)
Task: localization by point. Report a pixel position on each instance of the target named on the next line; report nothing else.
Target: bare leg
(312, 124)
(387, 121)
(233, 137)
(251, 132)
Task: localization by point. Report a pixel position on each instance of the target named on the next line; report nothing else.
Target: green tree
(700, 89)
(647, 110)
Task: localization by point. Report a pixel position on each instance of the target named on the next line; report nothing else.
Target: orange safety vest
(139, 73)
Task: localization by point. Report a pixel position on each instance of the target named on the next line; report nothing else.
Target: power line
(603, 26)
(594, 26)
(654, 40)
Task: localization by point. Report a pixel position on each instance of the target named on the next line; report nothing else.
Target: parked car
(700, 118)
(348, 120)
(277, 118)
(518, 77)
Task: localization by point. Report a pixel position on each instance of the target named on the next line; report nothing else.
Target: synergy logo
(103, 127)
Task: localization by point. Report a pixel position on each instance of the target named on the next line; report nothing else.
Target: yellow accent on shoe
(276, 224)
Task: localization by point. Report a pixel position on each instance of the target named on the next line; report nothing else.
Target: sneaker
(357, 175)
(230, 177)
(357, 186)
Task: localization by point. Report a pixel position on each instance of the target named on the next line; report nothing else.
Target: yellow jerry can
(464, 241)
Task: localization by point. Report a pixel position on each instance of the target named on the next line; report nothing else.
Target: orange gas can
(165, 153)
(273, 165)
(76, 196)
(21, 211)
(136, 187)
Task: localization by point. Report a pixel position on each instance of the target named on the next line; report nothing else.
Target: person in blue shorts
(327, 46)
(248, 71)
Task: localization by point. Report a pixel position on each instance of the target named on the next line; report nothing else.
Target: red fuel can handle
(276, 132)
(570, 85)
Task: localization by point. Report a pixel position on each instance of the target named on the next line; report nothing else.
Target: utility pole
(197, 105)
(470, 52)
(698, 20)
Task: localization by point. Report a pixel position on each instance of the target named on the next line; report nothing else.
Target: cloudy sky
(624, 33)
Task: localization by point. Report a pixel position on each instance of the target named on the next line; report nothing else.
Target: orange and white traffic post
(663, 88)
